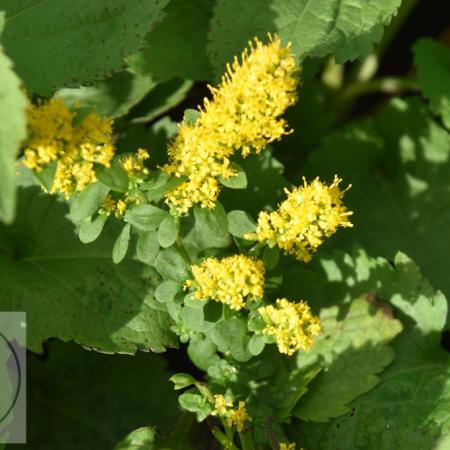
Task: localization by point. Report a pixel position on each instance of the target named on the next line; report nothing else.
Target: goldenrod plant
(227, 192)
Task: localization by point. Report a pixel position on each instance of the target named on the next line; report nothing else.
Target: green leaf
(167, 290)
(168, 231)
(433, 70)
(352, 352)
(240, 223)
(90, 230)
(88, 400)
(156, 187)
(73, 291)
(202, 351)
(12, 131)
(163, 98)
(231, 336)
(170, 264)
(115, 177)
(211, 226)
(271, 256)
(88, 202)
(256, 344)
(191, 116)
(120, 247)
(60, 43)
(142, 438)
(194, 402)
(182, 380)
(345, 28)
(416, 409)
(111, 98)
(265, 185)
(177, 48)
(147, 247)
(145, 217)
(239, 181)
(399, 171)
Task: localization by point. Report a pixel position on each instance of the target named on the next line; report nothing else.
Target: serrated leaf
(13, 103)
(398, 165)
(415, 408)
(110, 98)
(168, 231)
(145, 217)
(170, 264)
(73, 291)
(147, 247)
(345, 28)
(90, 230)
(240, 223)
(60, 43)
(177, 48)
(433, 70)
(352, 351)
(88, 202)
(120, 247)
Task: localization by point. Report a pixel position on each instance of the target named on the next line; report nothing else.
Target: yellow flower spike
(301, 223)
(291, 324)
(238, 417)
(134, 164)
(231, 280)
(53, 137)
(243, 114)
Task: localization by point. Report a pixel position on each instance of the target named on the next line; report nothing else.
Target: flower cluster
(287, 446)
(236, 418)
(291, 324)
(244, 113)
(301, 223)
(75, 148)
(231, 280)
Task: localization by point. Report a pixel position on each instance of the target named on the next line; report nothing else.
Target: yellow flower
(221, 406)
(287, 446)
(301, 223)
(244, 114)
(230, 280)
(238, 417)
(134, 165)
(291, 324)
(74, 148)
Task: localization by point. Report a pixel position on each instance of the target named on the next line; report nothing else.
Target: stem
(224, 440)
(388, 85)
(256, 248)
(246, 440)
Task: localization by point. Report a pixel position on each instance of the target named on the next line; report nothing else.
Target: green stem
(388, 85)
(223, 439)
(246, 439)
(256, 248)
